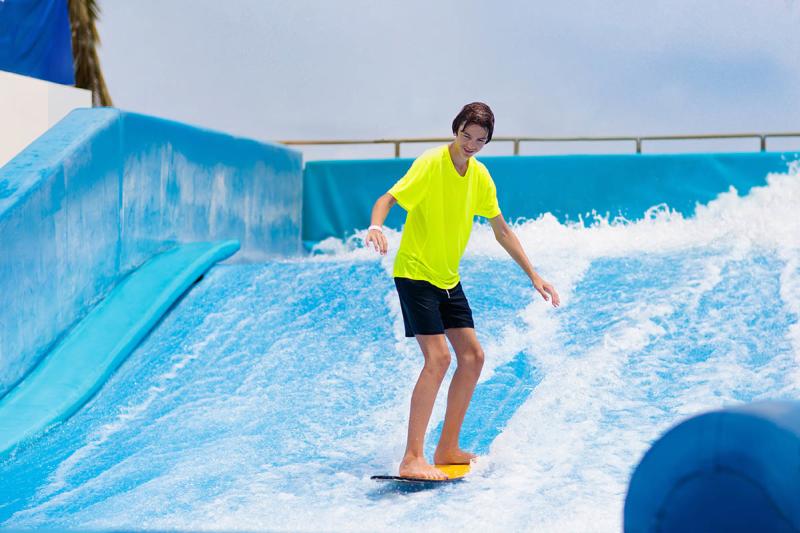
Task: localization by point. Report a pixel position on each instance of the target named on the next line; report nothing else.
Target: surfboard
(454, 473)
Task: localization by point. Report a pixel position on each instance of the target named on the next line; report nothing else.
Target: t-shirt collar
(452, 164)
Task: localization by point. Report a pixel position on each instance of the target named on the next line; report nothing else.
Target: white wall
(28, 107)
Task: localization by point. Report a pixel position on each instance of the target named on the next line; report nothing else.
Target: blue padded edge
(756, 444)
(84, 360)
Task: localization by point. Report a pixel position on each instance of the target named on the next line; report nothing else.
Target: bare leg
(470, 362)
(437, 360)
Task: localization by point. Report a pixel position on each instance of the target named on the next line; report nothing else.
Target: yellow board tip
(454, 471)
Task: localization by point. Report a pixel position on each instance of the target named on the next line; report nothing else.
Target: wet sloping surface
(272, 392)
(78, 366)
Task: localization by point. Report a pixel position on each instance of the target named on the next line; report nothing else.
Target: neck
(459, 161)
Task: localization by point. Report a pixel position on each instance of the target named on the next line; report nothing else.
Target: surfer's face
(471, 139)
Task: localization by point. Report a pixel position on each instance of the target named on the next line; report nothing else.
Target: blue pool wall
(103, 191)
(338, 195)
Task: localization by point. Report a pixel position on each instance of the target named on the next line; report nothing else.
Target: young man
(442, 192)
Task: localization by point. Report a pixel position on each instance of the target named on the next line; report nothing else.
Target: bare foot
(456, 456)
(419, 468)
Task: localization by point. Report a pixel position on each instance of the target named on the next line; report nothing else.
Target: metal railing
(517, 140)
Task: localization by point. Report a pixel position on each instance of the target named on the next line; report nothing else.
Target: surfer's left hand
(547, 291)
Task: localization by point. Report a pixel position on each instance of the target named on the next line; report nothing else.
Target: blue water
(272, 392)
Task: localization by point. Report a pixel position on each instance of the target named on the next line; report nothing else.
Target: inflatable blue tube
(732, 470)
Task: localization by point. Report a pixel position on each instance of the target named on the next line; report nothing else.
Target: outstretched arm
(379, 213)
(508, 240)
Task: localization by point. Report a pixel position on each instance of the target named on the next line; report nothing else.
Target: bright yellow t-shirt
(441, 207)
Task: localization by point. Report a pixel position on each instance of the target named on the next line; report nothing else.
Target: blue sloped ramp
(79, 365)
(493, 404)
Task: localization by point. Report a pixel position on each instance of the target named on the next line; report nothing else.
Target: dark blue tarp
(35, 39)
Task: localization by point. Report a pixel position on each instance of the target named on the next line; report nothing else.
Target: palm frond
(88, 75)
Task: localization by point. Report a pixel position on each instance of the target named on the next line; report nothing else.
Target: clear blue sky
(367, 69)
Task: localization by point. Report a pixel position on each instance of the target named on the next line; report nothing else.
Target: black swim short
(429, 310)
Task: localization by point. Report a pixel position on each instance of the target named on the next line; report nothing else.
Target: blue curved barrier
(79, 365)
(735, 470)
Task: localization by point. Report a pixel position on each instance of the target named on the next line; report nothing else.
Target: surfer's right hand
(378, 240)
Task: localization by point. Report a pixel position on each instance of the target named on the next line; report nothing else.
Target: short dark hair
(475, 113)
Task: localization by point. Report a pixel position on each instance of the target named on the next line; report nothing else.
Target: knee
(437, 362)
(473, 360)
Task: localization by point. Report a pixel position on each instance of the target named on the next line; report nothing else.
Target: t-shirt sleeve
(487, 203)
(411, 188)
